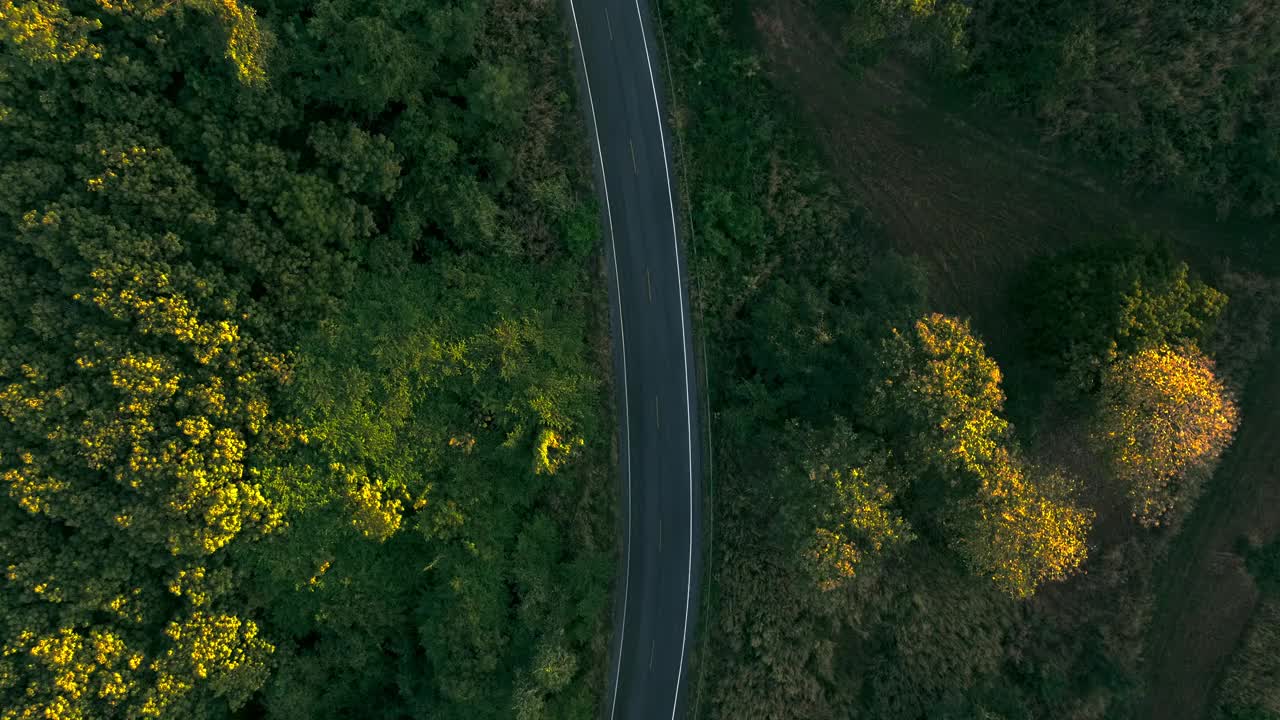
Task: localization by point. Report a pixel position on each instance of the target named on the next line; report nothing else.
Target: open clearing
(976, 203)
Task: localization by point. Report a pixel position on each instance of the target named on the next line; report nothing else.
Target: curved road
(660, 449)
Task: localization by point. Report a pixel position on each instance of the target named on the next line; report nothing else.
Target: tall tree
(844, 509)
(135, 387)
(1023, 530)
(942, 393)
(1163, 419)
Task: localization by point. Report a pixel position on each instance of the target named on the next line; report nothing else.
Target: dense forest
(1182, 94)
(290, 430)
(887, 542)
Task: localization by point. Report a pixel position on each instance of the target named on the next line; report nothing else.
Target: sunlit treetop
(46, 31)
(1163, 418)
(1012, 523)
(938, 376)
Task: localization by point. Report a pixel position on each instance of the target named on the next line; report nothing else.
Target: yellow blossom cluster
(859, 527)
(1014, 529)
(551, 451)
(1163, 418)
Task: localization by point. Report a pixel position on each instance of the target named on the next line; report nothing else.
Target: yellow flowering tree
(943, 394)
(850, 486)
(1163, 419)
(1090, 306)
(46, 31)
(1022, 531)
(139, 377)
(942, 389)
(176, 227)
(130, 398)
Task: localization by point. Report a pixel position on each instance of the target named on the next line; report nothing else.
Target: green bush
(1173, 93)
(1251, 688)
(933, 31)
(1087, 307)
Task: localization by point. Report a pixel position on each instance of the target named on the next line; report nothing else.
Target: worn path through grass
(976, 202)
(1205, 595)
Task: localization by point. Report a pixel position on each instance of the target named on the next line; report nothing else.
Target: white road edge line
(622, 331)
(684, 347)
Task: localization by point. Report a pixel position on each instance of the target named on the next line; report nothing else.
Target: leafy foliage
(137, 394)
(1163, 420)
(211, 505)
(941, 385)
(854, 558)
(940, 632)
(1024, 530)
(933, 30)
(940, 381)
(946, 625)
(847, 513)
(423, 406)
(804, 540)
(1090, 307)
(47, 32)
(1176, 93)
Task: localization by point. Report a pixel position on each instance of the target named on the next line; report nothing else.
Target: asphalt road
(660, 448)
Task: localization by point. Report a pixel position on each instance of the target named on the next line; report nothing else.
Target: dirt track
(1207, 596)
(976, 208)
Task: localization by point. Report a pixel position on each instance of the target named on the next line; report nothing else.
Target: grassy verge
(1249, 689)
(1205, 597)
(758, 210)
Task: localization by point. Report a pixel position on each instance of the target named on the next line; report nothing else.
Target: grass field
(967, 190)
(1204, 593)
(976, 199)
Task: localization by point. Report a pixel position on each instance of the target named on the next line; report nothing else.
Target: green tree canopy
(843, 510)
(425, 410)
(1091, 306)
(193, 191)
(137, 384)
(1175, 93)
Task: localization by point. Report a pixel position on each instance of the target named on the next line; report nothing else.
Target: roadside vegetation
(965, 513)
(304, 388)
(288, 429)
